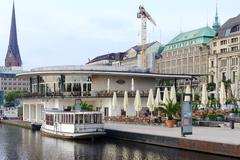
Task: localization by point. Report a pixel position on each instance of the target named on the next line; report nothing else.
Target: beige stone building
(225, 54)
(187, 53)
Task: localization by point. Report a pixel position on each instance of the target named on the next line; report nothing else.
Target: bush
(216, 117)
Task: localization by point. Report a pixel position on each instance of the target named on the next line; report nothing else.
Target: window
(223, 76)
(223, 42)
(234, 40)
(233, 76)
(214, 51)
(212, 64)
(235, 29)
(224, 50)
(214, 44)
(235, 48)
(211, 78)
(49, 119)
(223, 62)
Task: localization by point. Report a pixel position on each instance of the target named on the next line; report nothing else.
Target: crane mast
(144, 15)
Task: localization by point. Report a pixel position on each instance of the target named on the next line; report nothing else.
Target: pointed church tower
(216, 25)
(13, 57)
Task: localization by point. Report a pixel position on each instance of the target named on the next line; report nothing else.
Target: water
(20, 144)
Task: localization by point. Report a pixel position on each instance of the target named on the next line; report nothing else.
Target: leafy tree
(13, 95)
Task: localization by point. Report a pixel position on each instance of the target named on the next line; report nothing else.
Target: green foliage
(170, 109)
(216, 117)
(86, 107)
(214, 103)
(211, 86)
(12, 96)
(231, 100)
(235, 110)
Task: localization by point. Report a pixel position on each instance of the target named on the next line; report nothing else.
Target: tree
(13, 95)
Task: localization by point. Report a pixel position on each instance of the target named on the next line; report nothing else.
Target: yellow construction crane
(144, 15)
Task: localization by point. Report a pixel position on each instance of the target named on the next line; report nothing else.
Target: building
(9, 82)
(224, 58)
(59, 86)
(187, 53)
(13, 57)
(131, 58)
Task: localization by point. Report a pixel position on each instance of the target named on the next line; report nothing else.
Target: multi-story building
(187, 53)
(224, 58)
(9, 82)
(131, 57)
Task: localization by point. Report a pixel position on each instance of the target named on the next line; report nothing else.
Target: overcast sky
(68, 32)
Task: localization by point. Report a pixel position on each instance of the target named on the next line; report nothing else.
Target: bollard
(232, 124)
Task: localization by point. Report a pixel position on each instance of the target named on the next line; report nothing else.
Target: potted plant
(170, 109)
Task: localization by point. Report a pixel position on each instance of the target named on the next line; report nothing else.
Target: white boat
(72, 124)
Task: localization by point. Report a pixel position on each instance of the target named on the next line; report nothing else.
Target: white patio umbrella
(114, 100)
(193, 95)
(125, 101)
(150, 101)
(108, 85)
(137, 102)
(204, 100)
(132, 84)
(158, 99)
(187, 91)
(173, 95)
(222, 95)
(165, 95)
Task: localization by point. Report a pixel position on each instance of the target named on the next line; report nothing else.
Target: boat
(72, 124)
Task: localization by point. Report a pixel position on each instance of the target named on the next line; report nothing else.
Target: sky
(69, 32)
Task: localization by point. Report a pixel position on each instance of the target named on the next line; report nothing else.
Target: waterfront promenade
(217, 140)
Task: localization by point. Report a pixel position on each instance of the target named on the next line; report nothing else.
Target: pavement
(209, 134)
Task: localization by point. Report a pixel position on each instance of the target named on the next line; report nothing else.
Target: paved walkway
(212, 134)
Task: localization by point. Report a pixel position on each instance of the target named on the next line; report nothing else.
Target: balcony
(84, 94)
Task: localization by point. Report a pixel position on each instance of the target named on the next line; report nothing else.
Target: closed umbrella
(150, 101)
(223, 96)
(204, 100)
(187, 91)
(125, 101)
(193, 95)
(114, 100)
(158, 99)
(137, 102)
(165, 96)
(234, 89)
(108, 85)
(173, 95)
(132, 85)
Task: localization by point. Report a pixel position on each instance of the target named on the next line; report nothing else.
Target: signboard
(186, 120)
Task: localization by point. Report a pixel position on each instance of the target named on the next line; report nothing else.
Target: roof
(100, 70)
(109, 56)
(138, 48)
(198, 36)
(226, 29)
(13, 42)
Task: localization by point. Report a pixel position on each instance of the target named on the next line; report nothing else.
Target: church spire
(216, 25)
(13, 57)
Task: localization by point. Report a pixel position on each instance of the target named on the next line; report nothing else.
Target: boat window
(87, 118)
(78, 119)
(99, 118)
(49, 119)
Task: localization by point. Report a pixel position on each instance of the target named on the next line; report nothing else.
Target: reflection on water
(17, 144)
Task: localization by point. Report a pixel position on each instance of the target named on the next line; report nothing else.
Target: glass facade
(78, 85)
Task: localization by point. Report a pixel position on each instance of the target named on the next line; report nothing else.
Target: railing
(103, 93)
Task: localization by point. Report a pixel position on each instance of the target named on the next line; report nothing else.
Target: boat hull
(85, 135)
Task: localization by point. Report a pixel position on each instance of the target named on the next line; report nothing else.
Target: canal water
(23, 144)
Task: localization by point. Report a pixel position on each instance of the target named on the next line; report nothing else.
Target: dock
(220, 141)
(19, 123)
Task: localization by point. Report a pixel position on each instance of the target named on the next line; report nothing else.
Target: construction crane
(144, 15)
